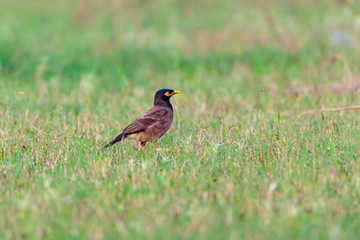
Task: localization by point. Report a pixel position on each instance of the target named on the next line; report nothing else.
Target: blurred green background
(246, 164)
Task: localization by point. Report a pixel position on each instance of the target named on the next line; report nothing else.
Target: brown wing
(149, 118)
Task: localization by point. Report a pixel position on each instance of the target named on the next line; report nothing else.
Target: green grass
(246, 164)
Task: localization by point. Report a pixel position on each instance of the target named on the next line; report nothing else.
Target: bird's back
(152, 125)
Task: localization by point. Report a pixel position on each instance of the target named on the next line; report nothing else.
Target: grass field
(246, 164)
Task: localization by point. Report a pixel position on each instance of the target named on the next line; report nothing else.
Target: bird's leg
(142, 145)
(142, 149)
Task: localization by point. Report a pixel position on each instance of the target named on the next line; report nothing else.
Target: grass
(246, 164)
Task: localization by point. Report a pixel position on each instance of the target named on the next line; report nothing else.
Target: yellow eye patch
(168, 94)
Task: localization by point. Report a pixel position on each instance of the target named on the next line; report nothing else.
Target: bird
(153, 124)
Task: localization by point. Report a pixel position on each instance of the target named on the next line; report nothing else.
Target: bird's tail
(117, 139)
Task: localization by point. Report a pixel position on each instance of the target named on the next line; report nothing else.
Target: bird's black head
(163, 96)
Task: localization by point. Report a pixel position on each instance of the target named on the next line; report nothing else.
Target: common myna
(153, 124)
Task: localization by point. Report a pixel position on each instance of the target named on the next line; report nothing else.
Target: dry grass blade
(309, 112)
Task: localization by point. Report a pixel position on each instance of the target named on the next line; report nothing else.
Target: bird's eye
(167, 94)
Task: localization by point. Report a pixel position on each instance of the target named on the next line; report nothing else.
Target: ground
(246, 162)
